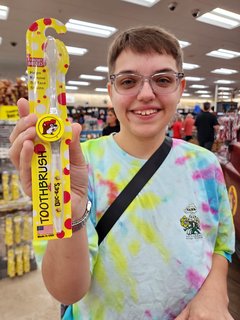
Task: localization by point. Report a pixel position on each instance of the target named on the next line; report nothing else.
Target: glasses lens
(127, 83)
(165, 82)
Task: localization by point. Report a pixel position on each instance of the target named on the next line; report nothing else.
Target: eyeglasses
(132, 83)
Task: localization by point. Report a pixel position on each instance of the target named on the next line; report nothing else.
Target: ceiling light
(101, 89)
(198, 86)
(71, 87)
(184, 44)
(202, 91)
(224, 81)
(0, 40)
(185, 94)
(76, 51)
(224, 93)
(78, 83)
(205, 95)
(91, 77)
(4, 12)
(221, 18)
(224, 54)
(225, 88)
(190, 66)
(224, 71)
(101, 69)
(194, 78)
(91, 29)
(145, 3)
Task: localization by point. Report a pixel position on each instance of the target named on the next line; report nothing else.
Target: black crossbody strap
(127, 195)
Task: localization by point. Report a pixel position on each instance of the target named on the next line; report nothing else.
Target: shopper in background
(177, 127)
(167, 255)
(187, 127)
(112, 123)
(207, 125)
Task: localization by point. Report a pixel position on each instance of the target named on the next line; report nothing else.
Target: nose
(146, 90)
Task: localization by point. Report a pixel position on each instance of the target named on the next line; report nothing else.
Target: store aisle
(26, 298)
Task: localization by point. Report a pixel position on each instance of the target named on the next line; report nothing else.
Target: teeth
(145, 112)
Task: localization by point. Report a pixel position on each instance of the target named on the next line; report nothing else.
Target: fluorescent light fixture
(78, 83)
(224, 97)
(88, 28)
(198, 86)
(184, 44)
(205, 95)
(225, 88)
(76, 51)
(224, 81)
(145, 3)
(4, 10)
(224, 71)
(224, 93)
(185, 94)
(190, 66)
(71, 87)
(194, 78)
(202, 91)
(101, 69)
(101, 89)
(224, 54)
(91, 77)
(0, 40)
(221, 18)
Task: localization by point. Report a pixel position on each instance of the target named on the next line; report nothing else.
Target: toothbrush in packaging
(48, 61)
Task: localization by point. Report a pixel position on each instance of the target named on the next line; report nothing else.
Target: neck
(141, 148)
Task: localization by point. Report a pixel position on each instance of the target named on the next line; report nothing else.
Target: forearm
(66, 267)
(216, 281)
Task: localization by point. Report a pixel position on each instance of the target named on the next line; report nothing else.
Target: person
(177, 127)
(167, 255)
(188, 125)
(207, 126)
(112, 123)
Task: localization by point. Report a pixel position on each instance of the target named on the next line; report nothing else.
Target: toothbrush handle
(57, 186)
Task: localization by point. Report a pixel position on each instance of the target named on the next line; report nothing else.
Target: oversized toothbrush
(48, 61)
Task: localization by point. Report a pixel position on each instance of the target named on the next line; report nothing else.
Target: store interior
(209, 37)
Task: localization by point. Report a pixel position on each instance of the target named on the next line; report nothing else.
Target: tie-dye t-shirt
(158, 254)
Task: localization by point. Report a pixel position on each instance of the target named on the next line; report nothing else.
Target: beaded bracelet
(79, 223)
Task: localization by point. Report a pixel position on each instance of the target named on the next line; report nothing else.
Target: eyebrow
(157, 71)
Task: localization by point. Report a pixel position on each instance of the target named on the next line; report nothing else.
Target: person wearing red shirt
(177, 127)
(187, 127)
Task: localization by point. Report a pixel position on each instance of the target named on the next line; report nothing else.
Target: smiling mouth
(146, 112)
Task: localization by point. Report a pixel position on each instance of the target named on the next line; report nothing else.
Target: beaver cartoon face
(49, 127)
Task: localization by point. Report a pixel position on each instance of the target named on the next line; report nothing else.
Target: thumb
(183, 315)
(76, 156)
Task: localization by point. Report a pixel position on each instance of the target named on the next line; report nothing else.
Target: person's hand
(206, 306)
(21, 151)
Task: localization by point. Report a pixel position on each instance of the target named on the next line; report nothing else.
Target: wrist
(79, 223)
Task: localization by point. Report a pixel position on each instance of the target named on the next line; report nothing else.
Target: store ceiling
(119, 14)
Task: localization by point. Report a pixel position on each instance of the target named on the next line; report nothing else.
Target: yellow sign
(9, 113)
(232, 193)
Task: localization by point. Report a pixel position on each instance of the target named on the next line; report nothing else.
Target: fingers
(76, 156)
(26, 120)
(25, 166)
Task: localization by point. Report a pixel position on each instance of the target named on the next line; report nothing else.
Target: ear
(182, 86)
(109, 87)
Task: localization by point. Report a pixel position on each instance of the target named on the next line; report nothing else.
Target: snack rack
(16, 252)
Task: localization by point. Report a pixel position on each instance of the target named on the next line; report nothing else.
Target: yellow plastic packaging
(47, 64)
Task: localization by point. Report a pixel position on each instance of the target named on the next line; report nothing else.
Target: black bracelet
(80, 223)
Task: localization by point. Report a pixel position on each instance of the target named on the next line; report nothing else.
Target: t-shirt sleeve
(225, 241)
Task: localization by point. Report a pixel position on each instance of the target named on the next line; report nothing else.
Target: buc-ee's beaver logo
(50, 128)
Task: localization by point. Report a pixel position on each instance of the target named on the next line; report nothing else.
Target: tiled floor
(26, 298)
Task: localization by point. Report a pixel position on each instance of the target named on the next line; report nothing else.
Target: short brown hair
(146, 39)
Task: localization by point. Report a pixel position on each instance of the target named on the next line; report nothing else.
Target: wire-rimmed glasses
(161, 83)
